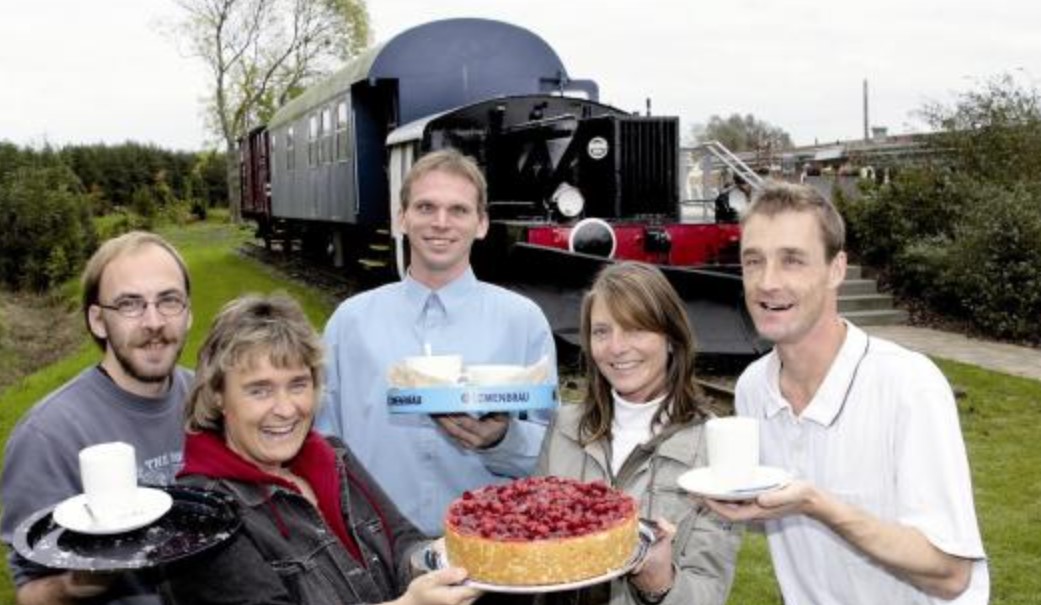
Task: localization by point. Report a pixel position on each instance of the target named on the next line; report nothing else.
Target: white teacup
(496, 374)
(109, 475)
(447, 368)
(733, 450)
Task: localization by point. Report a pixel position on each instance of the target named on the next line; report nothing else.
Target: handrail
(734, 163)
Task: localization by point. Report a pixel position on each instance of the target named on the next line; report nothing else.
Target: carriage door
(401, 158)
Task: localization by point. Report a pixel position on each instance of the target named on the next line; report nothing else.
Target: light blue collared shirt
(420, 467)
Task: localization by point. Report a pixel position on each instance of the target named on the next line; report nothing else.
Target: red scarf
(205, 453)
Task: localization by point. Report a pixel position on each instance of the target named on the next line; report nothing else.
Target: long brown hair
(640, 298)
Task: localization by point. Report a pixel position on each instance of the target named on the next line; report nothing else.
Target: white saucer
(703, 482)
(150, 505)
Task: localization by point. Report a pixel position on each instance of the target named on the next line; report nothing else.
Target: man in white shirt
(881, 510)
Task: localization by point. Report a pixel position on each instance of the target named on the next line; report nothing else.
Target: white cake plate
(433, 557)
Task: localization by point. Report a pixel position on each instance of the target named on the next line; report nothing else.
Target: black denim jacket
(285, 553)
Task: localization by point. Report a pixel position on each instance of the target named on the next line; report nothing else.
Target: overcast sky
(78, 71)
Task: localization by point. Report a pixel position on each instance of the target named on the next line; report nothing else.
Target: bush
(886, 219)
(113, 224)
(919, 272)
(177, 213)
(45, 228)
(194, 192)
(993, 263)
(144, 206)
(967, 249)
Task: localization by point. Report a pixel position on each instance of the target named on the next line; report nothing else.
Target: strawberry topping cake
(541, 530)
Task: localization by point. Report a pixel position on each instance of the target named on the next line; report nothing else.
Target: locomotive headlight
(593, 236)
(568, 200)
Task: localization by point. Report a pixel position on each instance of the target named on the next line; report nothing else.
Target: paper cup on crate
(482, 375)
(442, 368)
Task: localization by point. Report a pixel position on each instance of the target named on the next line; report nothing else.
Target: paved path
(1005, 358)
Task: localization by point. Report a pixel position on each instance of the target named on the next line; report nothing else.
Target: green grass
(754, 579)
(1000, 417)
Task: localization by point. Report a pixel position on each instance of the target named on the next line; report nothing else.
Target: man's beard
(121, 353)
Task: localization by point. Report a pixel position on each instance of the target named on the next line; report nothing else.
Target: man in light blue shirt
(424, 462)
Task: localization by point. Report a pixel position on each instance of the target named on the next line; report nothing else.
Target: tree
(742, 133)
(114, 172)
(993, 133)
(262, 52)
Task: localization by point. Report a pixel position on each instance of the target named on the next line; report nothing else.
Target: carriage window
(326, 151)
(341, 130)
(290, 158)
(312, 141)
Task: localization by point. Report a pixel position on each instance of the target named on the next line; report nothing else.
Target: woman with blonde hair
(316, 529)
(640, 426)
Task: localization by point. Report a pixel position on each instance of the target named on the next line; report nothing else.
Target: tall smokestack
(866, 133)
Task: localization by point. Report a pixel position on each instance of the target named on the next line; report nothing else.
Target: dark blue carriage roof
(446, 64)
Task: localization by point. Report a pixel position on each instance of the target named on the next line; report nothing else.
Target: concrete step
(865, 302)
(853, 287)
(861, 303)
(876, 317)
(372, 264)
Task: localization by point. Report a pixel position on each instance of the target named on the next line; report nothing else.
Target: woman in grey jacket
(640, 426)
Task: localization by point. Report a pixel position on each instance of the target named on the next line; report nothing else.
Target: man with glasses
(136, 306)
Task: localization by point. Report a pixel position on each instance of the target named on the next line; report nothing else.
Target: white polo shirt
(881, 433)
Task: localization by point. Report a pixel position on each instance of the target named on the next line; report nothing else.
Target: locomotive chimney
(648, 103)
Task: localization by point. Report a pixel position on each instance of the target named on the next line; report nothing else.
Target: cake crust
(541, 530)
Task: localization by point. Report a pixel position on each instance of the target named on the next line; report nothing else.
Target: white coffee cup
(496, 374)
(733, 449)
(446, 368)
(108, 472)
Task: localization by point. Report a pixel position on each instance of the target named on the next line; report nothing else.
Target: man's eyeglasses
(167, 306)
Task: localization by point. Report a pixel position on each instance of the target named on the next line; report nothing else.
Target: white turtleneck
(630, 427)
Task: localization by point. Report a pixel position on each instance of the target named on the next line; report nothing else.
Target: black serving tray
(197, 521)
